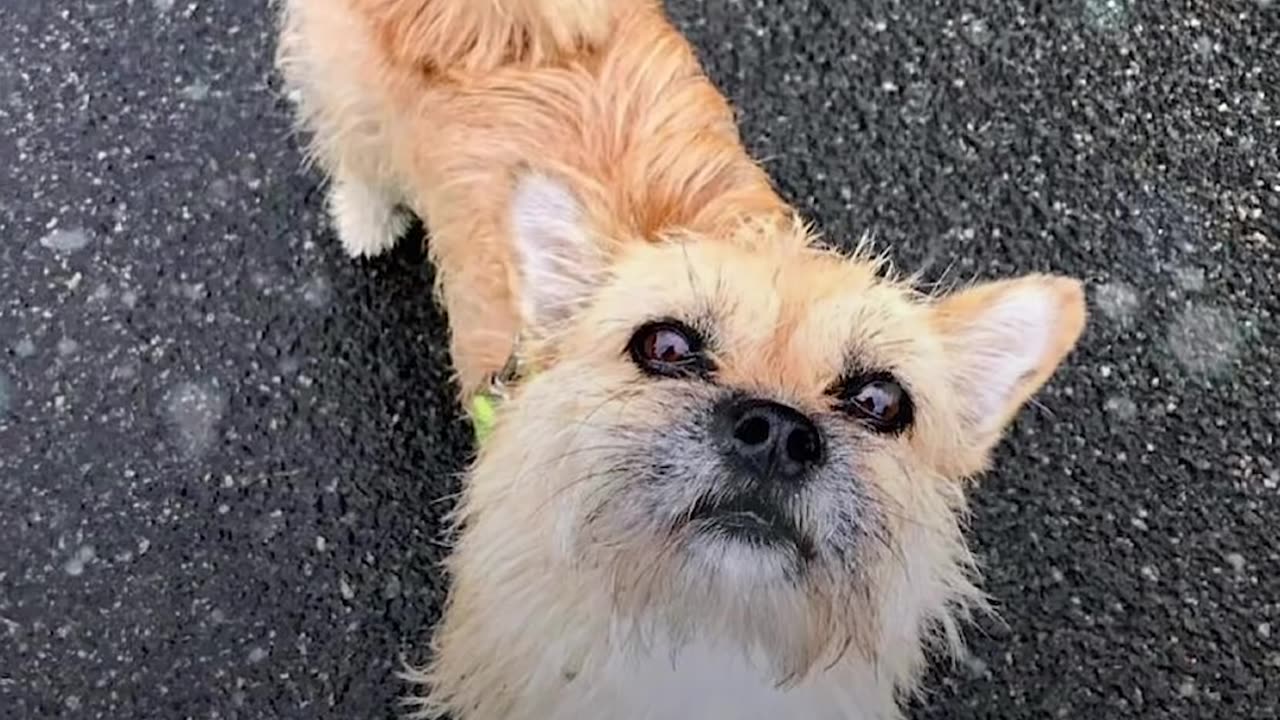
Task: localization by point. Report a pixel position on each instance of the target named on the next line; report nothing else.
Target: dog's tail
(478, 35)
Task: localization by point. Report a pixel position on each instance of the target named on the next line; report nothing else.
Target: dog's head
(758, 439)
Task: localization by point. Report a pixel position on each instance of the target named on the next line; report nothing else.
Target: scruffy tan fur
(580, 176)
(441, 104)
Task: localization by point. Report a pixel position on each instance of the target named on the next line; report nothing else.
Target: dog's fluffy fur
(580, 177)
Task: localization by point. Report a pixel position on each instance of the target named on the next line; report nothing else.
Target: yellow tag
(483, 415)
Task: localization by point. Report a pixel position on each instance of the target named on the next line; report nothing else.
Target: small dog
(728, 475)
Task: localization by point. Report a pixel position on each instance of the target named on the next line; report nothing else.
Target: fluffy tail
(478, 35)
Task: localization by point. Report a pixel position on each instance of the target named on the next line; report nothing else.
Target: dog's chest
(702, 682)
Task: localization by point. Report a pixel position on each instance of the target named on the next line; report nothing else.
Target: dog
(728, 472)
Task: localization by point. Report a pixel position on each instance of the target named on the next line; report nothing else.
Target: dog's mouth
(749, 518)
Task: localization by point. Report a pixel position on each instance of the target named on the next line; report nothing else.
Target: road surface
(225, 450)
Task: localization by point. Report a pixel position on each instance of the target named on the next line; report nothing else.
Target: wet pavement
(225, 449)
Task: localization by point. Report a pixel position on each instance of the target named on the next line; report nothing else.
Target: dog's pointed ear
(1003, 341)
(559, 263)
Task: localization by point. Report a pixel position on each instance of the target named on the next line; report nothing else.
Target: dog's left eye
(668, 348)
(879, 401)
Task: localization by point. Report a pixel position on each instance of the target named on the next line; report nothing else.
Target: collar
(485, 403)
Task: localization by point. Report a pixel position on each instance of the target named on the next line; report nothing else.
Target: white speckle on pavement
(345, 589)
(1205, 339)
(978, 31)
(65, 240)
(221, 190)
(127, 370)
(24, 348)
(163, 6)
(194, 411)
(196, 91)
(6, 394)
(257, 655)
(289, 365)
(1236, 561)
(1190, 279)
(262, 282)
(317, 291)
(1108, 15)
(976, 666)
(1117, 300)
(84, 555)
(194, 291)
(67, 346)
(1121, 408)
(269, 525)
(391, 588)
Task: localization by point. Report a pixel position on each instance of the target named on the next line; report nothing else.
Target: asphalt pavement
(225, 449)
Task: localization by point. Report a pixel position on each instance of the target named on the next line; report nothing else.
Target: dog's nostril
(802, 446)
(752, 430)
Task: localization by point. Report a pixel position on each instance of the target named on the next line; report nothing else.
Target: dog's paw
(367, 222)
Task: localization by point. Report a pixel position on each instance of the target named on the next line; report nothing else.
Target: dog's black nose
(768, 439)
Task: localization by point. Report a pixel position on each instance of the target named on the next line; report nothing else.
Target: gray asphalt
(225, 449)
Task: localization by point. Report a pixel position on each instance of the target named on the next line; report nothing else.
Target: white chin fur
(739, 565)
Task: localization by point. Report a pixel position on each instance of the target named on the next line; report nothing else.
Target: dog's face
(763, 440)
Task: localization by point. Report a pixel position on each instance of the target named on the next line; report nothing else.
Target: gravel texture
(225, 450)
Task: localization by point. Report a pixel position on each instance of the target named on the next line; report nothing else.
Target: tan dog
(731, 483)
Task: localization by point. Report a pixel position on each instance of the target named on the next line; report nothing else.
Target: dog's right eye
(669, 349)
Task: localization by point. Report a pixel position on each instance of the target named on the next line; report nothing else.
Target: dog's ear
(559, 263)
(1003, 341)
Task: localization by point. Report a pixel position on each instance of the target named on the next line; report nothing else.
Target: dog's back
(438, 105)
(477, 36)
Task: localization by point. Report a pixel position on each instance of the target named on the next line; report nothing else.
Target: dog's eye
(665, 345)
(879, 401)
(668, 348)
